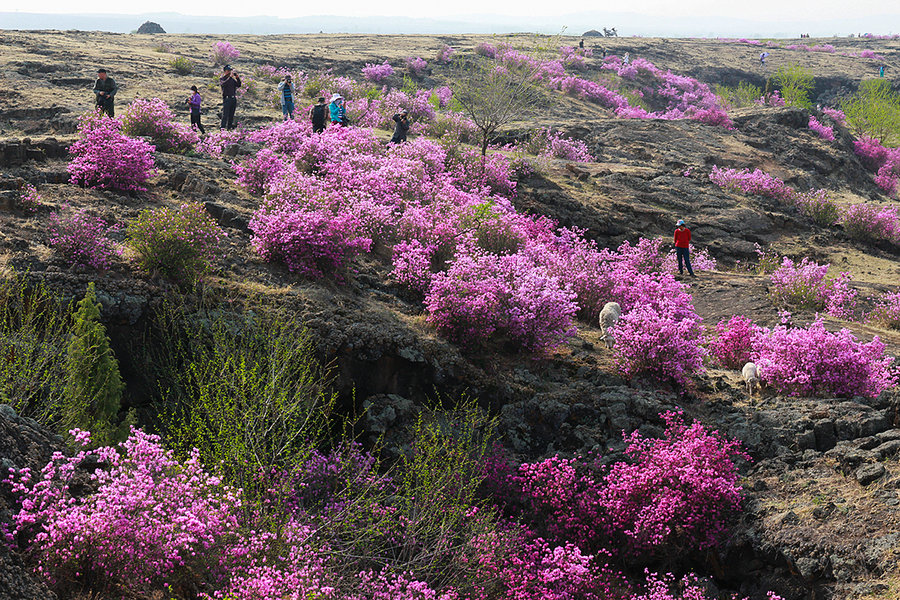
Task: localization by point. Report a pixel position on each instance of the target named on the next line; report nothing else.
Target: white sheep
(750, 373)
(609, 316)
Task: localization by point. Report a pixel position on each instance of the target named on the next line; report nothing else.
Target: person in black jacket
(229, 83)
(319, 116)
(105, 91)
(401, 120)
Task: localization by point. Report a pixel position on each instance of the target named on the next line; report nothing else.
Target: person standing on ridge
(105, 92)
(401, 127)
(683, 247)
(337, 110)
(286, 93)
(881, 71)
(229, 82)
(194, 103)
(318, 116)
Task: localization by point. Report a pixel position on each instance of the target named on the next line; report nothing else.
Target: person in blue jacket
(338, 110)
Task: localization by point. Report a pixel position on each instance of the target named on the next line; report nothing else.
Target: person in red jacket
(683, 248)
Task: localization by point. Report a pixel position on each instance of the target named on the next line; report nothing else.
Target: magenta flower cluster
(868, 221)
(825, 132)
(732, 344)
(104, 157)
(444, 55)
(886, 311)
(377, 73)
(223, 52)
(836, 115)
(416, 65)
(558, 146)
(806, 285)
(758, 182)
(29, 198)
(154, 119)
(81, 239)
(152, 519)
(814, 361)
(884, 161)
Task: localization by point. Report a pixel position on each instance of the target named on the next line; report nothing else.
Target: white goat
(609, 316)
(750, 373)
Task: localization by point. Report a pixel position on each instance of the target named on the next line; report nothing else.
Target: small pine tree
(93, 391)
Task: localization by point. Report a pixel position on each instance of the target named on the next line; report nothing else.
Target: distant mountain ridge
(577, 23)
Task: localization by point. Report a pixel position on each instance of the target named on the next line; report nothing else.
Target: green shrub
(182, 66)
(34, 330)
(242, 387)
(93, 389)
(178, 244)
(745, 94)
(875, 111)
(795, 83)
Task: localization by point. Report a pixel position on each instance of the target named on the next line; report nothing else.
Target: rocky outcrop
(150, 27)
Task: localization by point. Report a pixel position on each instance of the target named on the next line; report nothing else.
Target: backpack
(318, 113)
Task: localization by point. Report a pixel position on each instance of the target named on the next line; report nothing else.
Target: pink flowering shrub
(444, 55)
(656, 342)
(758, 182)
(29, 198)
(377, 73)
(774, 99)
(679, 492)
(416, 65)
(145, 519)
(82, 239)
(733, 342)
(886, 311)
(884, 161)
(214, 143)
(814, 361)
(104, 157)
(223, 53)
(480, 294)
(179, 244)
(870, 222)
(806, 286)
(668, 587)
(152, 118)
(255, 173)
(312, 241)
(836, 115)
(486, 50)
(823, 131)
(554, 145)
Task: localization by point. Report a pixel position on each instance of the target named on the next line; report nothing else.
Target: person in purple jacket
(194, 103)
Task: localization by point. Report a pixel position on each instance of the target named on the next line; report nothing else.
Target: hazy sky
(756, 10)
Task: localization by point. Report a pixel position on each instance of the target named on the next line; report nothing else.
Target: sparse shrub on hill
(886, 311)
(818, 206)
(744, 94)
(795, 83)
(34, 331)
(544, 142)
(257, 171)
(179, 244)
(444, 55)
(81, 239)
(758, 182)
(94, 387)
(104, 157)
(242, 387)
(814, 361)
(223, 53)
(874, 111)
(823, 131)
(182, 65)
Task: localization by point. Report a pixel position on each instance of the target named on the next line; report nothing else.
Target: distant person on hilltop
(881, 71)
(683, 247)
(401, 127)
(762, 58)
(319, 112)
(286, 93)
(105, 92)
(581, 43)
(194, 103)
(338, 110)
(627, 59)
(229, 82)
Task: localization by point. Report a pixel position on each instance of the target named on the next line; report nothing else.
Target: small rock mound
(592, 33)
(150, 27)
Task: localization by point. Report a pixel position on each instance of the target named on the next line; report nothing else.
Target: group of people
(335, 111)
